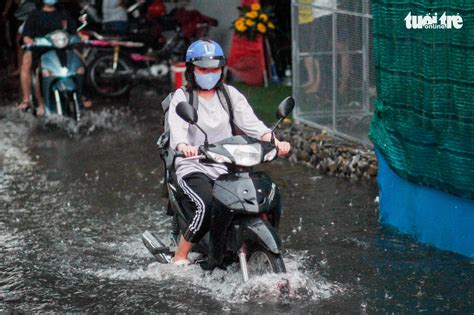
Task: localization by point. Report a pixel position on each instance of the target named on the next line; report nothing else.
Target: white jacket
(213, 118)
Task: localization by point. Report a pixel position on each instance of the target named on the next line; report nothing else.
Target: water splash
(223, 286)
(227, 285)
(112, 119)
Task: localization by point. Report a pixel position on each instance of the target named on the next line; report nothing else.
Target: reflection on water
(75, 200)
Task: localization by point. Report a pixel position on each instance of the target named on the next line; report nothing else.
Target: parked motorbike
(61, 74)
(245, 224)
(119, 64)
(114, 63)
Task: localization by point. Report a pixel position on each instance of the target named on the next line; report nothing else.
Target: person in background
(38, 24)
(114, 17)
(14, 13)
(316, 31)
(5, 8)
(307, 45)
(72, 7)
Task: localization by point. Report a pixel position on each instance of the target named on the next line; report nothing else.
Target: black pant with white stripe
(197, 188)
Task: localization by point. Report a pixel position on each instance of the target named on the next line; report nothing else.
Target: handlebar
(195, 157)
(180, 154)
(135, 6)
(112, 43)
(236, 153)
(104, 41)
(35, 45)
(93, 42)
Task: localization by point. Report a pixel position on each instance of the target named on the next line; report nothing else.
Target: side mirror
(187, 112)
(285, 107)
(83, 20)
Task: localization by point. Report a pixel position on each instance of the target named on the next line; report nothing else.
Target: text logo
(209, 49)
(432, 21)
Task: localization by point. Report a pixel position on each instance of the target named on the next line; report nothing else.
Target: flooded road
(76, 199)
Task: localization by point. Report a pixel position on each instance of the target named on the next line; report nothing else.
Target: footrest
(161, 252)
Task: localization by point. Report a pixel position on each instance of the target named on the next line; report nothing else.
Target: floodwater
(76, 199)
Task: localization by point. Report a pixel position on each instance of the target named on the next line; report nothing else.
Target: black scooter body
(246, 209)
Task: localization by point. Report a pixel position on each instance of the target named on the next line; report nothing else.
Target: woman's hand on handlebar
(28, 40)
(283, 147)
(188, 150)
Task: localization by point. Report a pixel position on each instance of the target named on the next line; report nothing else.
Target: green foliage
(265, 100)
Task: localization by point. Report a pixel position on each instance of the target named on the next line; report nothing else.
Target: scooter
(247, 203)
(61, 74)
(116, 65)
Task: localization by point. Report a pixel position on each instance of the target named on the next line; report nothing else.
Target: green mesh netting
(423, 122)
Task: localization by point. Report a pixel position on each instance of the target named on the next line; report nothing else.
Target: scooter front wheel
(66, 104)
(262, 261)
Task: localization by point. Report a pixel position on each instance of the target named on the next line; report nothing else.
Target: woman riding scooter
(205, 61)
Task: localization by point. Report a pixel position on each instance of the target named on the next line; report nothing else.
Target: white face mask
(209, 80)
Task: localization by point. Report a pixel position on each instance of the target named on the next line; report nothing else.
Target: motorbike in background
(119, 64)
(61, 74)
(156, 40)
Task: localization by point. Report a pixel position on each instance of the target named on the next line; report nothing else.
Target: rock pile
(329, 155)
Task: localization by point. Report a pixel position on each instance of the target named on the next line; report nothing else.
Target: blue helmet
(50, 2)
(205, 54)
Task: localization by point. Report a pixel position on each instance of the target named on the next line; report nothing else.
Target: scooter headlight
(246, 154)
(60, 39)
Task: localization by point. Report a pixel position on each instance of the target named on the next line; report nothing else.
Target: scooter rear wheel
(114, 84)
(262, 261)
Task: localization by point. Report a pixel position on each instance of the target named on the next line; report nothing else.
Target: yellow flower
(240, 25)
(249, 22)
(261, 28)
(271, 25)
(255, 6)
(242, 29)
(263, 17)
(251, 14)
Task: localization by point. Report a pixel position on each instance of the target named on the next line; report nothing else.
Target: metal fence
(333, 75)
